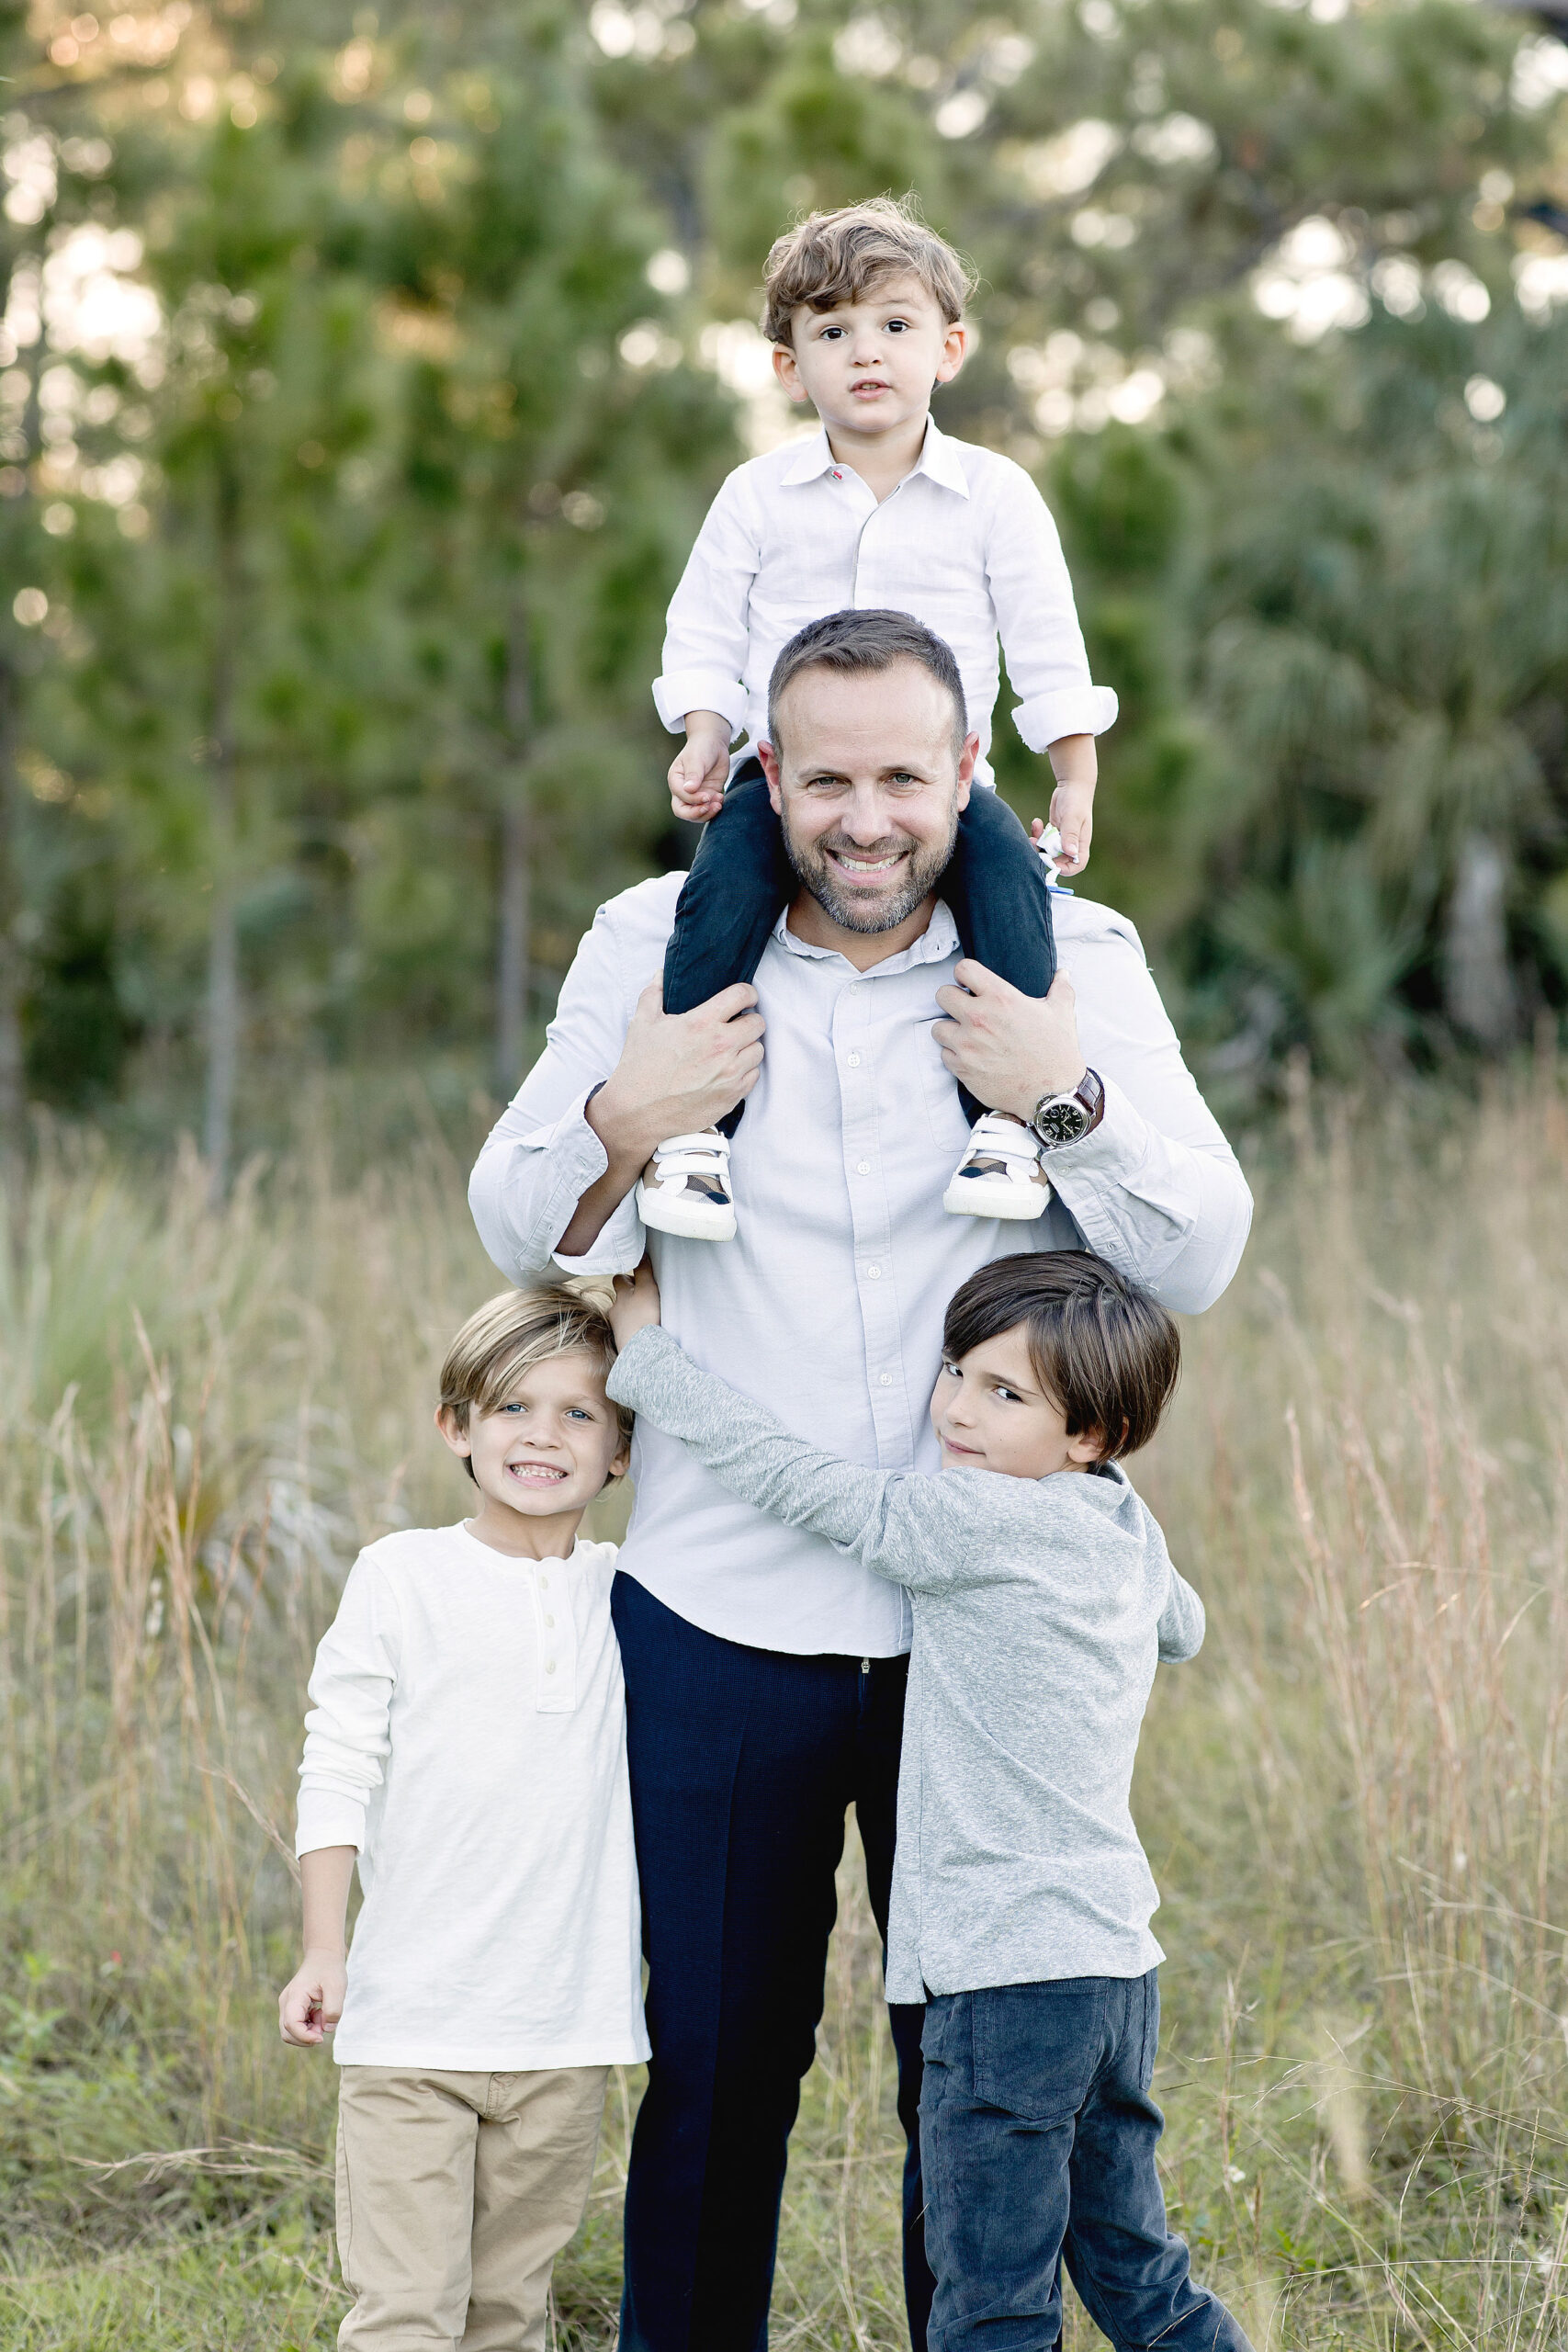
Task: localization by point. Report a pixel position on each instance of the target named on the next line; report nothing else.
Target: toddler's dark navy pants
(740, 877)
(1039, 2134)
(744, 1762)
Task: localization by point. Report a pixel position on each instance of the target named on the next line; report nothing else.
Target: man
(764, 1673)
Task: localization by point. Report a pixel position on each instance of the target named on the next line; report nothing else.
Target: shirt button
(544, 1583)
(549, 1620)
(854, 1061)
(874, 1273)
(884, 1380)
(549, 1666)
(862, 1168)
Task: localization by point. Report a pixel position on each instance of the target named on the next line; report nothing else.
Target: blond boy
(467, 1746)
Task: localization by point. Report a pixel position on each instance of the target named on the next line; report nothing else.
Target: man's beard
(924, 870)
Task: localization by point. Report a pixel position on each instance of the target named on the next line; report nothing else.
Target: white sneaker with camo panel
(1000, 1174)
(685, 1188)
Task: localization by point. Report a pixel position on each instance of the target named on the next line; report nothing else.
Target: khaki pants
(454, 2194)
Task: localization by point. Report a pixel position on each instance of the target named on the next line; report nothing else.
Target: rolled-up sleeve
(346, 1735)
(1038, 623)
(707, 631)
(542, 1156)
(1155, 1189)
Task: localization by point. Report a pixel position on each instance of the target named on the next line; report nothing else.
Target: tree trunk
(224, 938)
(513, 944)
(1478, 988)
(222, 988)
(12, 961)
(13, 1094)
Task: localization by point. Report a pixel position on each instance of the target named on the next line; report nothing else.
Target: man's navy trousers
(743, 1764)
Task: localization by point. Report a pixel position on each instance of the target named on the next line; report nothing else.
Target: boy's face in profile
(990, 1412)
(549, 1448)
(868, 367)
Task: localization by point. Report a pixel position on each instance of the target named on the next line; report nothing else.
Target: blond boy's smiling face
(990, 1412)
(540, 1458)
(868, 367)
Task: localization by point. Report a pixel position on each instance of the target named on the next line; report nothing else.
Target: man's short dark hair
(1105, 1351)
(863, 642)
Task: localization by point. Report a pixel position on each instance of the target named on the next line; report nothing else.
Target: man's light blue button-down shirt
(828, 1305)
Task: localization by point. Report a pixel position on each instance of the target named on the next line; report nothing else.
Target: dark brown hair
(1106, 1352)
(834, 257)
(851, 641)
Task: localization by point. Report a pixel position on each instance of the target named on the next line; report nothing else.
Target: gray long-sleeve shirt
(1040, 1610)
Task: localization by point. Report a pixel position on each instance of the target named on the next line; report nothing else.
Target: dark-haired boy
(882, 512)
(1043, 1596)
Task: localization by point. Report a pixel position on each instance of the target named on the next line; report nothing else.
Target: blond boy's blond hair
(834, 257)
(519, 1329)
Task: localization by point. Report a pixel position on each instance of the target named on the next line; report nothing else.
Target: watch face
(1062, 1120)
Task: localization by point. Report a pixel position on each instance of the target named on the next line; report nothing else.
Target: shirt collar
(814, 460)
(939, 460)
(935, 944)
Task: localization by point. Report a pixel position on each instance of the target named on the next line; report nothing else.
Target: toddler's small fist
(1072, 816)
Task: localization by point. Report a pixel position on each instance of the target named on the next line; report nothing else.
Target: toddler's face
(870, 365)
(550, 1447)
(990, 1412)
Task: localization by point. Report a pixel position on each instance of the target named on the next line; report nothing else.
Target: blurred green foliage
(367, 372)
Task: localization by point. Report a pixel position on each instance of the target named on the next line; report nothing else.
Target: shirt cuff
(679, 691)
(1069, 710)
(618, 1249)
(1086, 1173)
(328, 1818)
(634, 1372)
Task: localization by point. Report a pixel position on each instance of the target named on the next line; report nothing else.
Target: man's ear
(451, 1435)
(966, 759)
(788, 374)
(775, 774)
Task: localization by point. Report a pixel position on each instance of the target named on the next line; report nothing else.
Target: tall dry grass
(1352, 1800)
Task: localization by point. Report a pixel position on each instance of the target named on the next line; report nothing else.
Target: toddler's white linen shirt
(965, 543)
(468, 1735)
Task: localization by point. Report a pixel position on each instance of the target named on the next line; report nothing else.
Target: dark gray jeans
(1037, 2142)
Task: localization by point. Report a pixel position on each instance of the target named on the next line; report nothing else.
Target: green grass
(1353, 1801)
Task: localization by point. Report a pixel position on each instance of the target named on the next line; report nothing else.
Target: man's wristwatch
(1067, 1118)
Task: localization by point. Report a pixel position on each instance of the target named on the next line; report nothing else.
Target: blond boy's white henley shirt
(468, 1735)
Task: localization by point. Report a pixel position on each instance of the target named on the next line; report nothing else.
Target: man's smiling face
(868, 783)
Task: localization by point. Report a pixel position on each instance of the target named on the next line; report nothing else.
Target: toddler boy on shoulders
(880, 511)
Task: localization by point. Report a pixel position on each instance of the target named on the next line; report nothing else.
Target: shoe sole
(688, 1220)
(960, 1200)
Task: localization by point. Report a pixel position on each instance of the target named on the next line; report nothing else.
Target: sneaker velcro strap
(1004, 1139)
